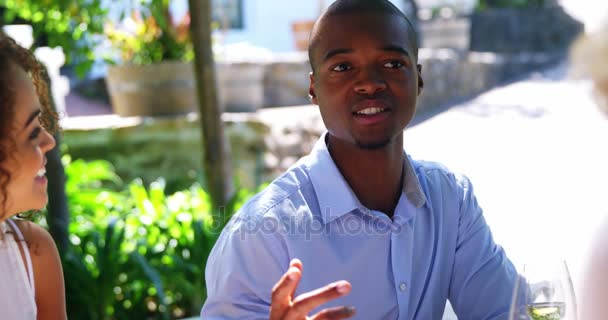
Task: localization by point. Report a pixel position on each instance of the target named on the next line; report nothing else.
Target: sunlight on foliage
(136, 252)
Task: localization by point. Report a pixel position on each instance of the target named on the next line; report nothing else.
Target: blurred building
(270, 23)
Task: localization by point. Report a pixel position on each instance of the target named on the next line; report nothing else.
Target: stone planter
(534, 29)
(286, 81)
(168, 88)
(241, 86)
(165, 88)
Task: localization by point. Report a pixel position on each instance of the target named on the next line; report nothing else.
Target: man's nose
(369, 82)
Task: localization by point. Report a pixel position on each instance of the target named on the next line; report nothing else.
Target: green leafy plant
(136, 252)
(152, 35)
(105, 277)
(80, 26)
(70, 24)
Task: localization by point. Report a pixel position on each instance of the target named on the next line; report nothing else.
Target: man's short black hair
(340, 7)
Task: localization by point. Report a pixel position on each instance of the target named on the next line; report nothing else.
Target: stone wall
(286, 80)
(266, 142)
(445, 33)
(534, 29)
(449, 75)
(452, 75)
(164, 147)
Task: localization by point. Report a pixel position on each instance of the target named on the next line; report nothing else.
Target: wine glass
(544, 291)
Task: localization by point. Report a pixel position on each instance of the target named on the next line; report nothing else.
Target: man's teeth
(41, 173)
(370, 111)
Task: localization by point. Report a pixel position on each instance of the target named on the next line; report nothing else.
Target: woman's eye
(395, 64)
(35, 133)
(341, 67)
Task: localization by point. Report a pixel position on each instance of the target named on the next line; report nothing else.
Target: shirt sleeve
(483, 277)
(243, 267)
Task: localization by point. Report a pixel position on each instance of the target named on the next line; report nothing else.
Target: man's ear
(311, 89)
(420, 81)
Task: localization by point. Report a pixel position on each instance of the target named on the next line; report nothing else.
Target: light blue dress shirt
(437, 247)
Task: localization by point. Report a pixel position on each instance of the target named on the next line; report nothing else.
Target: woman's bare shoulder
(38, 239)
(48, 273)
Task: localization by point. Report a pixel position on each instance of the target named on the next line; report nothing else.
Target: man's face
(366, 81)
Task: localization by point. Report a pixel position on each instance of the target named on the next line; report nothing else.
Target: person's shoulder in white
(48, 274)
(595, 285)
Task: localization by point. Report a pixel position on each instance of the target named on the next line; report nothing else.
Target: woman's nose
(49, 142)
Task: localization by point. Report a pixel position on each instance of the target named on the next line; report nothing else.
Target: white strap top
(17, 290)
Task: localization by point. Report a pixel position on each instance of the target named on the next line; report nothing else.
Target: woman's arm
(48, 273)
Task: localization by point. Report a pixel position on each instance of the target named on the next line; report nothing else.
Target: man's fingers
(334, 313)
(284, 307)
(296, 263)
(306, 302)
(283, 291)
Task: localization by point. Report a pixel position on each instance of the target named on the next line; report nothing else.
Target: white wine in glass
(544, 291)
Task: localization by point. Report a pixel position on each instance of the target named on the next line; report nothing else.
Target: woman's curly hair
(12, 55)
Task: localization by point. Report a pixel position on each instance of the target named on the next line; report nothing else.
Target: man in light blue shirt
(402, 236)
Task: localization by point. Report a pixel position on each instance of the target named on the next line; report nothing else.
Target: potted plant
(71, 25)
(150, 73)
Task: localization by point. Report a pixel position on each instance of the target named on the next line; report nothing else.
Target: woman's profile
(31, 278)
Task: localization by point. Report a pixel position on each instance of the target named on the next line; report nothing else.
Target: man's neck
(375, 176)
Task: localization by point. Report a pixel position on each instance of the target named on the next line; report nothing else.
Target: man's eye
(341, 67)
(35, 133)
(395, 64)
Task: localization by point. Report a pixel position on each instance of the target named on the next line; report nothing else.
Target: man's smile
(371, 111)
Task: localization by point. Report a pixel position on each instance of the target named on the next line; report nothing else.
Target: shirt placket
(402, 248)
(401, 253)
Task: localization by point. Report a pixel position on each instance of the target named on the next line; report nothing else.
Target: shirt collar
(411, 184)
(335, 196)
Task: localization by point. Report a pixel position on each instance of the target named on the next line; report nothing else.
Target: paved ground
(536, 153)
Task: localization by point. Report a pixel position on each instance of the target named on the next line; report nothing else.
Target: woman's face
(26, 189)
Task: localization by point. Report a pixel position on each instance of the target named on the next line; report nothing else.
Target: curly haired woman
(31, 278)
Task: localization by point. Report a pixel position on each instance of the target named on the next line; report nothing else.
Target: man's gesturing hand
(285, 307)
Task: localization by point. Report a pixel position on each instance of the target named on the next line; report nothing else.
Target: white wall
(268, 22)
(593, 13)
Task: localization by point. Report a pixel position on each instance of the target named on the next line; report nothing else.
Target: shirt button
(402, 286)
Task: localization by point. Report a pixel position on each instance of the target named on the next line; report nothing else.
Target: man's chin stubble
(372, 145)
